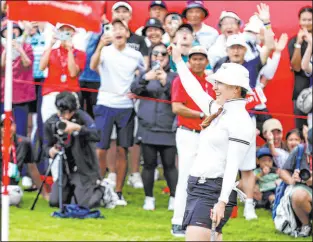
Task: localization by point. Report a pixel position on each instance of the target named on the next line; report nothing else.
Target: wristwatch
(297, 46)
(202, 115)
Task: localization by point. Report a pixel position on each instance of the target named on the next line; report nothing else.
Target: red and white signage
(256, 98)
(83, 14)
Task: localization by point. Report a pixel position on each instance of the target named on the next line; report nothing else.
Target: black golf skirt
(202, 196)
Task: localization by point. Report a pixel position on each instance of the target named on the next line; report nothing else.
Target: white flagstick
(8, 112)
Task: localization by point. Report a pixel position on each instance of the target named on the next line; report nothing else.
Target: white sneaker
(135, 180)
(171, 203)
(156, 174)
(305, 231)
(112, 178)
(249, 211)
(149, 203)
(121, 201)
(110, 198)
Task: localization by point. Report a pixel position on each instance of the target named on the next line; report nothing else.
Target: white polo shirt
(206, 36)
(227, 142)
(117, 72)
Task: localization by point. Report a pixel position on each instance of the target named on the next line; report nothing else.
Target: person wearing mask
(20, 154)
(296, 48)
(189, 119)
(227, 138)
(22, 70)
(229, 24)
(117, 64)
(155, 132)
(301, 191)
(253, 35)
(172, 22)
(154, 31)
(196, 13)
(64, 63)
(158, 10)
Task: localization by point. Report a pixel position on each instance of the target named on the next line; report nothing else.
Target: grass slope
(127, 223)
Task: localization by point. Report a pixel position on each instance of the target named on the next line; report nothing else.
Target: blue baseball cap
(161, 4)
(263, 152)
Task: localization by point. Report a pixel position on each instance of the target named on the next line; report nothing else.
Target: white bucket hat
(122, 4)
(229, 14)
(232, 74)
(255, 25)
(236, 39)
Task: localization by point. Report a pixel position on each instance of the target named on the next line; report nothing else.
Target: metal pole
(7, 127)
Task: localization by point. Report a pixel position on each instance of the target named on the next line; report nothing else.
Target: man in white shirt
(195, 13)
(117, 65)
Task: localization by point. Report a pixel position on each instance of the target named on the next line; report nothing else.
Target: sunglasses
(156, 53)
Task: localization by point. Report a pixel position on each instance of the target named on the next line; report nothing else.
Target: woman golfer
(227, 139)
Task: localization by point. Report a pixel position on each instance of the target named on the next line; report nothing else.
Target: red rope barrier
(165, 101)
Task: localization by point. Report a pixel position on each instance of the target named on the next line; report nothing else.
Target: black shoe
(177, 231)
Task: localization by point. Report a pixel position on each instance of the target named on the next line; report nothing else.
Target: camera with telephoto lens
(61, 126)
(304, 175)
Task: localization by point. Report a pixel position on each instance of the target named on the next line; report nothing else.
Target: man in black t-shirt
(20, 154)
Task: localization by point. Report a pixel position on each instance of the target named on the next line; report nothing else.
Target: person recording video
(74, 130)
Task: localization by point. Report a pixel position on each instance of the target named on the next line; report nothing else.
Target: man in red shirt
(189, 117)
(64, 64)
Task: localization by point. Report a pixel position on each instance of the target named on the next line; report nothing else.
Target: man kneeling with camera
(73, 131)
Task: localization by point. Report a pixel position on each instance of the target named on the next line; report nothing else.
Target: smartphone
(175, 21)
(108, 28)
(156, 65)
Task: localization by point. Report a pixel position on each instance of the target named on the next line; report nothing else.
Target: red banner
(83, 14)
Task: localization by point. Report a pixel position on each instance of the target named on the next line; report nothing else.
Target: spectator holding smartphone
(156, 120)
(117, 65)
(172, 22)
(22, 68)
(297, 47)
(64, 63)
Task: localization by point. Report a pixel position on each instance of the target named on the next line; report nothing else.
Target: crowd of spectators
(124, 66)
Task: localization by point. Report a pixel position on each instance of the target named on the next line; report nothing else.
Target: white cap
(60, 25)
(121, 4)
(228, 14)
(232, 74)
(255, 25)
(236, 39)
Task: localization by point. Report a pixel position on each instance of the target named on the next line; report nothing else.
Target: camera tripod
(62, 160)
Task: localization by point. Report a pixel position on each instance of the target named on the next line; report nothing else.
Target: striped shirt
(227, 142)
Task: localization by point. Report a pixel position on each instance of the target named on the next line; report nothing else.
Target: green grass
(126, 223)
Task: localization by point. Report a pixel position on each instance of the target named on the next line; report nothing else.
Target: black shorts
(123, 119)
(201, 200)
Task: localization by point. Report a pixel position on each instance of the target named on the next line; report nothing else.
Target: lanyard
(63, 61)
(12, 150)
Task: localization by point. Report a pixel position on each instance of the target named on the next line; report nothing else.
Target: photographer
(81, 169)
(301, 194)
